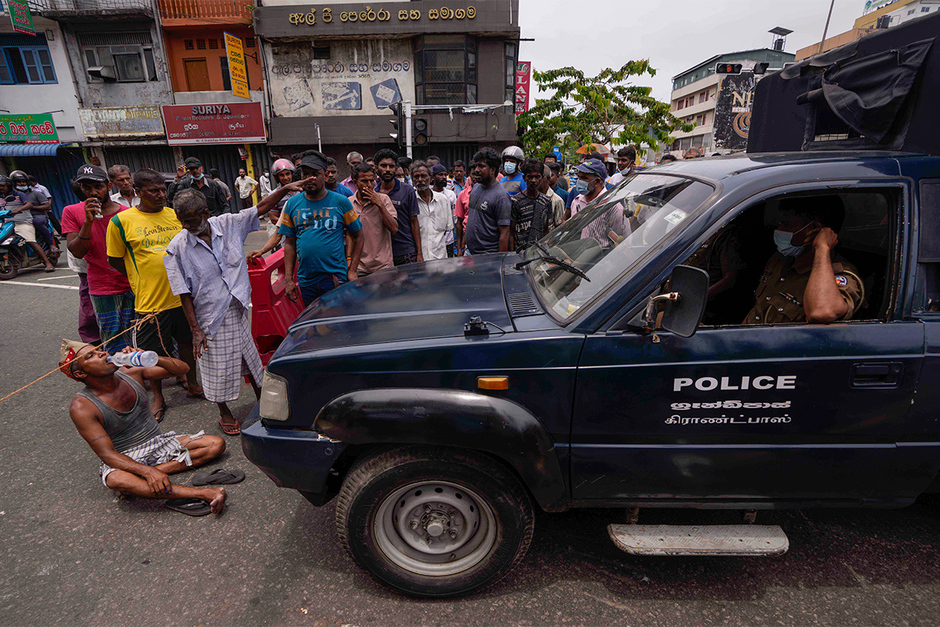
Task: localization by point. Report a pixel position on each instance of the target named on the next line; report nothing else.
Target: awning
(28, 150)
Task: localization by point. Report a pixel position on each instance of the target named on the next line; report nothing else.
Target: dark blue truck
(442, 402)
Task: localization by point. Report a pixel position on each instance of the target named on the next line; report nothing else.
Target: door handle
(877, 374)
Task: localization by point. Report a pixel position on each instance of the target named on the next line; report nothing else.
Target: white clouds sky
(673, 34)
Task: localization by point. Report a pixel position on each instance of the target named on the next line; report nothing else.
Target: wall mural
(359, 78)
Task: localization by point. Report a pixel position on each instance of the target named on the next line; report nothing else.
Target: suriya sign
(230, 123)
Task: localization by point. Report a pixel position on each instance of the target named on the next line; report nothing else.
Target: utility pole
(826, 29)
(408, 128)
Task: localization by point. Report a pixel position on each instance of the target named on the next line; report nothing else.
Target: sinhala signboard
(28, 128)
(103, 122)
(21, 18)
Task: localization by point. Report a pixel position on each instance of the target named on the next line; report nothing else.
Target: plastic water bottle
(146, 359)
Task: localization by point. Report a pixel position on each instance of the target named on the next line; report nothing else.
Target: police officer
(805, 280)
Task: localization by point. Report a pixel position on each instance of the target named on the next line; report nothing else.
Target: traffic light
(398, 123)
(761, 68)
(420, 134)
(728, 68)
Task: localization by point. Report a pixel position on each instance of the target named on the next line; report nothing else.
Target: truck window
(928, 248)
(746, 256)
(607, 238)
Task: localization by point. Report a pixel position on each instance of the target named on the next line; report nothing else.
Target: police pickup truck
(618, 363)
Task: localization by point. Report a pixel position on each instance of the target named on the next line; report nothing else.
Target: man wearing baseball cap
(592, 175)
(315, 224)
(85, 226)
(191, 174)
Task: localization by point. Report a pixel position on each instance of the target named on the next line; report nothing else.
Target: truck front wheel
(434, 522)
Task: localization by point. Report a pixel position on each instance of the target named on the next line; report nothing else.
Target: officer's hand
(826, 239)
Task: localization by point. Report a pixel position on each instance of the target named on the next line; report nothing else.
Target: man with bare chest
(113, 415)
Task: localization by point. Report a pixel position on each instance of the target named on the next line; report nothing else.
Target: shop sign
(227, 123)
(523, 74)
(236, 65)
(365, 14)
(733, 111)
(28, 128)
(21, 18)
(122, 121)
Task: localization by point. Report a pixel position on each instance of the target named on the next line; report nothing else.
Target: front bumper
(292, 458)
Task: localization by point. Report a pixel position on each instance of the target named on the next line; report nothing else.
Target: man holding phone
(806, 280)
(85, 226)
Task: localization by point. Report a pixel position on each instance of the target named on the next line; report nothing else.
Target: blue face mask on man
(509, 167)
(784, 242)
(583, 187)
(198, 177)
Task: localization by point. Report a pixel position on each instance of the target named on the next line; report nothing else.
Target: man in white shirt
(435, 215)
(439, 183)
(120, 176)
(246, 187)
(264, 183)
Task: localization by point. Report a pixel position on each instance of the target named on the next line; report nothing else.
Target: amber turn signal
(493, 383)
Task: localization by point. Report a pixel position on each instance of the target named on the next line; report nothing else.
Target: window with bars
(188, 44)
(129, 55)
(213, 44)
(249, 42)
(446, 69)
(512, 59)
(200, 44)
(28, 64)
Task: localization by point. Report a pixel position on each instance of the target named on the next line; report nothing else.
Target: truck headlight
(274, 405)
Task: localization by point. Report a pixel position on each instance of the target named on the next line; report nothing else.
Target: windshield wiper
(552, 260)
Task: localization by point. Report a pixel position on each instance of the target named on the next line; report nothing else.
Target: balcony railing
(90, 9)
(237, 10)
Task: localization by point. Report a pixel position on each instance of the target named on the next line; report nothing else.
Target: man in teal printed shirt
(314, 225)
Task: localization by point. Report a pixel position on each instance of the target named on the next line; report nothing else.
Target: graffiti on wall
(359, 78)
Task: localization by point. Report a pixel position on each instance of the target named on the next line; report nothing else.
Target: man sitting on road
(113, 414)
(207, 270)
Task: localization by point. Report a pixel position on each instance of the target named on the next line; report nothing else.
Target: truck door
(754, 413)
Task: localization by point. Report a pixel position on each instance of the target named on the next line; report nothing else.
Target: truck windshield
(578, 260)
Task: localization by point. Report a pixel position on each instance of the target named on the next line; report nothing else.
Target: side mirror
(684, 304)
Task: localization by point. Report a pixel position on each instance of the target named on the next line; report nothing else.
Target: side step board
(724, 540)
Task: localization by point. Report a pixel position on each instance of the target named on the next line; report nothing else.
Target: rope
(136, 326)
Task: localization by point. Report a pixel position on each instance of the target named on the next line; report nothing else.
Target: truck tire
(434, 522)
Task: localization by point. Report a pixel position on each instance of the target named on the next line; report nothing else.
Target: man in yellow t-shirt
(137, 239)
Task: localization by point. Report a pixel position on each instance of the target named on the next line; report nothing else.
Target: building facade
(333, 69)
(697, 96)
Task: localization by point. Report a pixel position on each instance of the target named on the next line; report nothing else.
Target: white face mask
(784, 242)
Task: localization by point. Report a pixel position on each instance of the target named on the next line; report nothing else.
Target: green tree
(605, 109)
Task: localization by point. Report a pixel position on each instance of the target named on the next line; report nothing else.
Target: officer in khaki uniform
(805, 280)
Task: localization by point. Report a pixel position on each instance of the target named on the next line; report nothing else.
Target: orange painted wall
(177, 52)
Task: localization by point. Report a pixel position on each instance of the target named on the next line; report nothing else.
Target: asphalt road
(73, 553)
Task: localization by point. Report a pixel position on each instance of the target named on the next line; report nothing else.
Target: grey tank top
(131, 428)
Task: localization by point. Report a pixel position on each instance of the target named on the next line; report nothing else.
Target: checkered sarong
(232, 354)
(161, 449)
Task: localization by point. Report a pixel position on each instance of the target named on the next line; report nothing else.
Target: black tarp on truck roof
(879, 92)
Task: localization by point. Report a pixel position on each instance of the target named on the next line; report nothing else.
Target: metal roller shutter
(159, 158)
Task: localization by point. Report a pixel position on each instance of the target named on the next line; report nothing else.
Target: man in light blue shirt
(205, 264)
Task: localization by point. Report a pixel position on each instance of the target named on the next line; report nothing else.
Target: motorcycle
(15, 253)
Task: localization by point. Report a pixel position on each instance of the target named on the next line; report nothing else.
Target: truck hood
(414, 302)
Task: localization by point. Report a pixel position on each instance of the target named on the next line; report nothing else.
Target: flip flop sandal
(190, 507)
(200, 395)
(218, 476)
(230, 428)
(160, 413)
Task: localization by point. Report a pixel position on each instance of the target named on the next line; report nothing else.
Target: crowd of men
(163, 269)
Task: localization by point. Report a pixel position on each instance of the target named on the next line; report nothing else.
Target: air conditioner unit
(104, 72)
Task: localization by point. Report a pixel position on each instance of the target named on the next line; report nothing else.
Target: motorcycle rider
(20, 200)
(513, 181)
